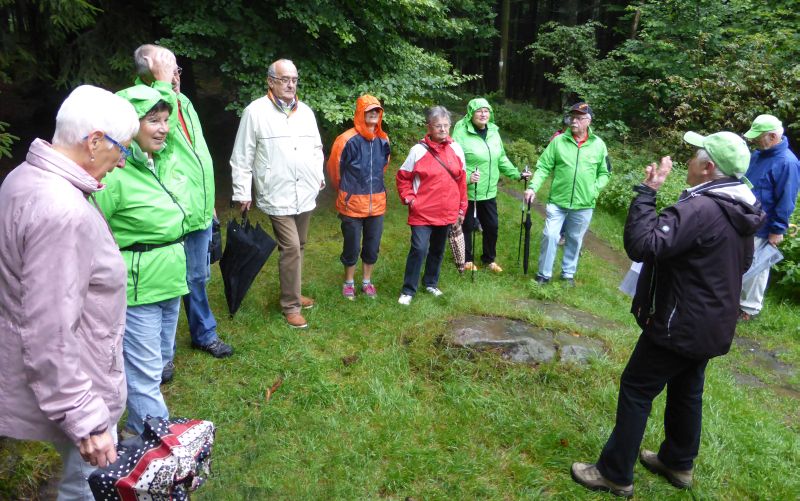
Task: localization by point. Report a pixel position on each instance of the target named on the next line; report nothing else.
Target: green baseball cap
(762, 124)
(728, 151)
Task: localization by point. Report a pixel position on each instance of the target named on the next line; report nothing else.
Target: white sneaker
(405, 299)
(433, 290)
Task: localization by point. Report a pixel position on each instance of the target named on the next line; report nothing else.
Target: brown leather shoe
(306, 302)
(296, 320)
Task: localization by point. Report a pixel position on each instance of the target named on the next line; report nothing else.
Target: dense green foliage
(693, 65)
(342, 49)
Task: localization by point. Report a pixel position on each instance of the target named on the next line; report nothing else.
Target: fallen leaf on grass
(272, 389)
(350, 359)
(564, 442)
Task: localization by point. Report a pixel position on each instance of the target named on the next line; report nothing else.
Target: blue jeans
(202, 324)
(427, 244)
(575, 223)
(149, 340)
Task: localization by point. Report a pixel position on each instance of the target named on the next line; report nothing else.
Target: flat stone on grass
(521, 342)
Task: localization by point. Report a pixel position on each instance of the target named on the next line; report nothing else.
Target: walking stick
(526, 257)
(474, 219)
(522, 215)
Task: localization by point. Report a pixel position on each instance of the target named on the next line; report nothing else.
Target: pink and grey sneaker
(349, 291)
(369, 290)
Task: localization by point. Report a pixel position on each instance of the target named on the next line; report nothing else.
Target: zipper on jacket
(202, 169)
(575, 175)
(369, 213)
(669, 321)
(172, 197)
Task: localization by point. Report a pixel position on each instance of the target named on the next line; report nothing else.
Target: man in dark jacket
(775, 174)
(686, 303)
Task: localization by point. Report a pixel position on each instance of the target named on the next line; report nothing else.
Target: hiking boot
(494, 267)
(678, 478)
(216, 348)
(590, 477)
(369, 290)
(167, 372)
(349, 291)
(469, 266)
(433, 291)
(569, 281)
(306, 302)
(405, 299)
(296, 320)
(540, 279)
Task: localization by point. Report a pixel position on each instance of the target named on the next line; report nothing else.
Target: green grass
(412, 417)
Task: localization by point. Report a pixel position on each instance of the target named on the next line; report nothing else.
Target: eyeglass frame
(572, 118)
(123, 151)
(285, 80)
(178, 70)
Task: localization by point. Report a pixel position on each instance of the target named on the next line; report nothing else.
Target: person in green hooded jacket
(486, 158)
(193, 184)
(149, 224)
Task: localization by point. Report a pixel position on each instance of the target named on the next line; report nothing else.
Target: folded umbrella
(456, 237)
(527, 255)
(247, 248)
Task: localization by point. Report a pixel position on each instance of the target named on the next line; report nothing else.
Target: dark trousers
(487, 215)
(649, 369)
(352, 229)
(427, 244)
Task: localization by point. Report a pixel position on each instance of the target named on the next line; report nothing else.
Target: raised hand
(655, 175)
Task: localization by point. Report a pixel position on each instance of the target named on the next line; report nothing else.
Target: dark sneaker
(167, 372)
(678, 478)
(590, 477)
(216, 348)
(569, 281)
(542, 279)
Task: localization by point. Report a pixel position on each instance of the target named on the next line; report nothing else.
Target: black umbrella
(527, 255)
(246, 250)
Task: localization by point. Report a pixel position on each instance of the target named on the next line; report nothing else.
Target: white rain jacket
(284, 154)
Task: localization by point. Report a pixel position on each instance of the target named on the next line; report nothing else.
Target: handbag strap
(436, 157)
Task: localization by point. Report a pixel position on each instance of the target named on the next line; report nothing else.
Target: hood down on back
(737, 203)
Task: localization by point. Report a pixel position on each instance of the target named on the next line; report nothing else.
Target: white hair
(778, 132)
(271, 70)
(436, 112)
(142, 69)
(90, 108)
(703, 156)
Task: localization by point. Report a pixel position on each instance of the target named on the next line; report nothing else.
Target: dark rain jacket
(358, 161)
(775, 175)
(694, 255)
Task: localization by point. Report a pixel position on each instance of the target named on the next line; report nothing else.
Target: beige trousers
(291, 233)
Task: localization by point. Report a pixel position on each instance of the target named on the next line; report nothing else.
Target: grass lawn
(375, 406)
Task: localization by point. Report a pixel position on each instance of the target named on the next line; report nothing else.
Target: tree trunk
(505, 17)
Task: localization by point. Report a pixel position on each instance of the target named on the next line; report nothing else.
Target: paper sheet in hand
(766, 256)
(628, 285)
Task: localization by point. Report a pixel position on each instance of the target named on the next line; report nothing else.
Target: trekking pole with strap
(522, 215)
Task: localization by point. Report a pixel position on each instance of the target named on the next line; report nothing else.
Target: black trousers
(487, 215)
(649, 369)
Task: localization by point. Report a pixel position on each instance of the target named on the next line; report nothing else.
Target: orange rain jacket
(358, 161)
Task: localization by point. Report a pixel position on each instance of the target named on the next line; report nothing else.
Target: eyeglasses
(579, 119)
(178, 70)
(286, 80)
(439, 126)
(124, 152)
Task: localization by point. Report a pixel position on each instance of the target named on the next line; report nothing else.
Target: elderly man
(279, 144)
(580, 166)
(773, 172)
(694, 255)
(193, 184)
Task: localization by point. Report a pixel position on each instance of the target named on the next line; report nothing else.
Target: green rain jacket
(141, 210)
(488, 155)
(579, 174)
(193, 179)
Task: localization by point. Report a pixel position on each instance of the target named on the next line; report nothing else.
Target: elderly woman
(358, 160)
(62, 290)
(432, 182)
(486, 159)
(149, 225)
